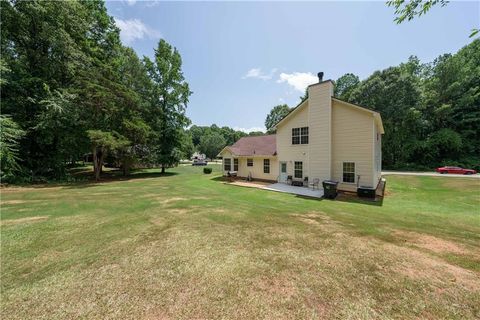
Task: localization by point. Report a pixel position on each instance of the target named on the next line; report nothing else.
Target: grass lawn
(186, 245)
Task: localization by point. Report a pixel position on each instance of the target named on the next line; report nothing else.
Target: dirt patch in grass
(25, 189)
(280, 285)
(419, 266)
(167, 201)
(17, 201)
(162, 200)
(317, 219)
(103, 193)
(10, 222)
(431, 243)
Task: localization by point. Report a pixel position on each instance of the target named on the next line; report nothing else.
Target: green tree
(211, 145)
(137, 133)
(276, 114)
(408, 10)
(101, 143)
(305, 96)
(187, 148)
(169, 98)
(345, 85)
(10, 135)
(394, 94)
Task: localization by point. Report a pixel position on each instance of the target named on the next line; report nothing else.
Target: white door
(283, 172)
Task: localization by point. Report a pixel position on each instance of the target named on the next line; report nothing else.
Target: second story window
(300, 135)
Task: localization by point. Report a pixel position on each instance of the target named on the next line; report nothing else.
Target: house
(323, 137)
(198, 156)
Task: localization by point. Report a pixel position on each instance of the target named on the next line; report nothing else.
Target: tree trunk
(163, 168)
(98, 155)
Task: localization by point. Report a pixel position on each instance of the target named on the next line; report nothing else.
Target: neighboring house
(198, 156)
(323, 137)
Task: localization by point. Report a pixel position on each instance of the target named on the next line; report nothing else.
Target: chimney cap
(320, 76)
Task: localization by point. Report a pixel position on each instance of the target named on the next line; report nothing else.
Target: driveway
(430, 174)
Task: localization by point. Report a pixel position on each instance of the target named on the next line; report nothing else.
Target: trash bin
(329, 189)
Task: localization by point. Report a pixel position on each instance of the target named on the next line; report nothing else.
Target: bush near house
(207, 170)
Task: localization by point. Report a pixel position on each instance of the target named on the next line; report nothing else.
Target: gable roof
(254, 146)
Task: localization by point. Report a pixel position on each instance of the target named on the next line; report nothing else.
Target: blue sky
(241, 59)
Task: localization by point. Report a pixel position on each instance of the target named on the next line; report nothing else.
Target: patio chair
(315, 183)
(289, 180)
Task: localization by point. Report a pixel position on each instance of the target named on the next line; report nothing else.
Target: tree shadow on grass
(117, 175)
(353, 198)
(346, 197)
(219, 178)
(86, 179)
(309, 198)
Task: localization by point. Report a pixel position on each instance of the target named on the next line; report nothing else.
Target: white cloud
(133, 29)
(298, 80)
(130, 2)
(151, 3)
(248, 130)
(257, 73)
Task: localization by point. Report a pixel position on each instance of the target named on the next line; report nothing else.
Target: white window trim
(230, 164)
(303, 169)
(354, 172)
(299, 136)
(269, 166)
(233, 164)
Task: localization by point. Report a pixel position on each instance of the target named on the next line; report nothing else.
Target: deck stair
(380, 191)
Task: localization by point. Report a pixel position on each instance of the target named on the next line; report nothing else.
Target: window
(349, 172)
(298, 172)
(227, 164)
(304, 135)
(235, 164)
(300, 135)
(249, 162)
(266, 165)
(295, 135)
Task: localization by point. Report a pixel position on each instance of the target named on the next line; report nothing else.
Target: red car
(457, 170)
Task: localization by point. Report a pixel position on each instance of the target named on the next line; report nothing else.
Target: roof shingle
(251, 146)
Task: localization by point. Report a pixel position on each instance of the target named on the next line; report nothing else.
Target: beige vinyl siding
(377, 153)
(288, 152)
(257, 169)
(320, 103)
(315, 114)
(352, 141)
(226, 155)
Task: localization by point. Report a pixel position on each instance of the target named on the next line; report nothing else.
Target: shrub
(207, 170)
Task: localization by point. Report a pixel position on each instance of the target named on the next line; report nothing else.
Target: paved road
(430, 174)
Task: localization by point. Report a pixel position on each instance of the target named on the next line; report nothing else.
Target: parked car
(199, 162)
(457, 170)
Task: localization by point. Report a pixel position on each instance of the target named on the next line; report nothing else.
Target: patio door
(283, 172)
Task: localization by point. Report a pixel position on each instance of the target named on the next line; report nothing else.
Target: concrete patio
(301, 191)
(280, 187)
